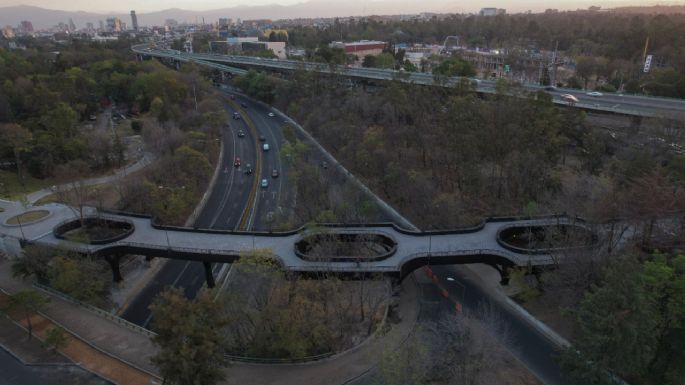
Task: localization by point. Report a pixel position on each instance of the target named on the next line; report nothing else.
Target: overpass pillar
(223, 76)
(209, 277)
(177, 64)
(113, 260)
(635, 123)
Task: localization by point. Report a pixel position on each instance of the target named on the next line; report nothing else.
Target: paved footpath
(122, 355)
(115, 175)
(99, 345)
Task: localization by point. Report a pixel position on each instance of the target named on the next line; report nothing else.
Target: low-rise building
(361, 48)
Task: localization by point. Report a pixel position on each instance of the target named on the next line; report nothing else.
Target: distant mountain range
(46, 18)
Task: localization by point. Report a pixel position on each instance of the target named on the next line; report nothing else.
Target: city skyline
(351, 8)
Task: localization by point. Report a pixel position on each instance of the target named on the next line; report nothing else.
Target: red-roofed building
(361, 48)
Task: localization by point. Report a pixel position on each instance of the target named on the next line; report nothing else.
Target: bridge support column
(209, 277)
(177, 64)
(635, 123)
(113, 260)
(504, 275)
(223, 76)
(503, 271)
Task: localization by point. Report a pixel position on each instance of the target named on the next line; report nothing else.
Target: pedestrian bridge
(374, 248)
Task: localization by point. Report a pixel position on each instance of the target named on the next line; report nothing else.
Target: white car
(271, 114)
(569, 98)
(265, 147)
(595, 94)
(265, 183)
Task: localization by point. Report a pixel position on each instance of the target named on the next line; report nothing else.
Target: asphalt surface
(13, 372)
(531, 348)
(227, 201)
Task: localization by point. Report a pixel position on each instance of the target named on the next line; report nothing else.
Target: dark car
(241, 133)
(232, 97)
(262, 138)
(248, 169)
(274, 173)
(244, 105)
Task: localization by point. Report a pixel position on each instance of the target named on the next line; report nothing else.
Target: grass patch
(12, 188)
(52, 198)
(27, 217)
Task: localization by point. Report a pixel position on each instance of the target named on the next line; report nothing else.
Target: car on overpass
(265, 147)
(265, 183)
(595, 94)
(241, 133)
(569, 98)
(236, 162)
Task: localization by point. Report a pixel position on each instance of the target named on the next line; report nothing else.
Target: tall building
(113, 24)
(72, 26)
(102, 26)
(134, 20)
(492, 11)
(25, 27)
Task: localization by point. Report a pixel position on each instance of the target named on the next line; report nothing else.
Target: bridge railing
(255, 360)
(95, 310)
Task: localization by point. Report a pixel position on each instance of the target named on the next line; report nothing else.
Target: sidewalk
(98, 341)
(94, 341)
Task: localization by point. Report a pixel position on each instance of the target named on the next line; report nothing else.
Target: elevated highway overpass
(632, 105)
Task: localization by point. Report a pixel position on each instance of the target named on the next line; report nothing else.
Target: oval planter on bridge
(544, 239)
(94, 230)
(345, 247)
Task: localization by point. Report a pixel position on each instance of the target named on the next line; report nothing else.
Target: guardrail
(255, 360)
(96, 310)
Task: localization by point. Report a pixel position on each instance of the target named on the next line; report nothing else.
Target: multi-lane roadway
(237, 201)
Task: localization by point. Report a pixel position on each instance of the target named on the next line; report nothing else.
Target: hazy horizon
(366, 8)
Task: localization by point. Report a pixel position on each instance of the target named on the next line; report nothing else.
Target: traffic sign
(648, 63)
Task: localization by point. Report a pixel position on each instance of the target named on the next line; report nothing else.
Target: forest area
(447, 158)
(55, 103)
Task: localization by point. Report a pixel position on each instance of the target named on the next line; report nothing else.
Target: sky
(390, 7)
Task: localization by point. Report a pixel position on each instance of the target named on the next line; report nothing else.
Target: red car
(237, 162)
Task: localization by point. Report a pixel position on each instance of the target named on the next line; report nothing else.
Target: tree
(616, 328)
(55, 339)
(34, 262)
(26, 302)
(190, 337)
(75, 191)
(17, 138)
(455, 66)
(81, 279)
(369, 61)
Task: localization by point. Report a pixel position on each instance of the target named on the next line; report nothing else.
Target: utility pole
(553, 75)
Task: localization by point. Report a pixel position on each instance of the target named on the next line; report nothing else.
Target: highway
(532, 349)
(635, 105)
(231, 203)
